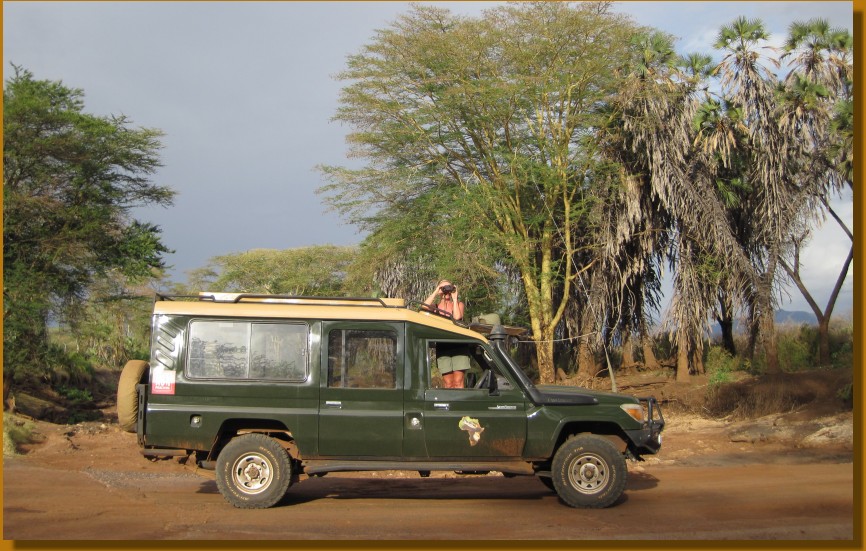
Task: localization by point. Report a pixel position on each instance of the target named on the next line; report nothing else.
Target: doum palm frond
(741, 34)
(819, 52)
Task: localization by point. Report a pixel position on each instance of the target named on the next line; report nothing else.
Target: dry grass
(759, 396)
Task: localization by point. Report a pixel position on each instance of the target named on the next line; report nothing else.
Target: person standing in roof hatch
(451, 358)
(448, 301)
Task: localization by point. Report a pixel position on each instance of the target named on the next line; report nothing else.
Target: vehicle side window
(278, 351)
(463, 356)
(362, 358)
(247, 350)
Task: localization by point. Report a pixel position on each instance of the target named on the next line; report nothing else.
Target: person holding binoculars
(452, 360)
(448, 301)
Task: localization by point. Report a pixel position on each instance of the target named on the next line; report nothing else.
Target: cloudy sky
(244, 92)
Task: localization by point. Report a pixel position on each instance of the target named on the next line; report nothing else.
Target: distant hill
(784, 317)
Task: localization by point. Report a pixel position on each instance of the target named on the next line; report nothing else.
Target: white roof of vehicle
(245, 305)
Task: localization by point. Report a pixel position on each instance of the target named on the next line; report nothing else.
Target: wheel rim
(588, 474)
(252, 473)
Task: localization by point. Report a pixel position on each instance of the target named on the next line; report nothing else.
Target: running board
(163, 452)
(315, 466)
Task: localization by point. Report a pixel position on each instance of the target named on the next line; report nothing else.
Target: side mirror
(493, 385)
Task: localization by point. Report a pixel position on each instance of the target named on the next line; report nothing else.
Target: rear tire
(253, 472)
(127, 394)
(589, 472)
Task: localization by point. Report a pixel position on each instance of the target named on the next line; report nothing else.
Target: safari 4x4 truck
(265, 388)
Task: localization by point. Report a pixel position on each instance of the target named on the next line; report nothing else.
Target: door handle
(503, 407)
(333, 404)
(441, 406)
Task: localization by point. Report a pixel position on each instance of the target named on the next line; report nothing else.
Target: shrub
(797, 349)
(65, 367)
(719, 366)
(16, 432)
(76, 395)
(846, 394)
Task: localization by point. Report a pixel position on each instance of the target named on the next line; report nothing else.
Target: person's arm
(457, 311)
(432, 297)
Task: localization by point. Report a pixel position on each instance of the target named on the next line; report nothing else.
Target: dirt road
(88, 482)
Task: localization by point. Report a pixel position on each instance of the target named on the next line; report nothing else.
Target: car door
(473, 422)
(361, 395)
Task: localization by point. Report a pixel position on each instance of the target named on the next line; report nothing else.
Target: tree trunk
(824, 341)
(727, 327)
(627, 350)
(768, 318)
(725, 317)
(753, 328)
(586, 368)
(544, 353)
(649, 357)
(682, 358)
(768, 338)
(822, 317)
(698, 361)
(7, 388)
(585, 360)
(646, 341)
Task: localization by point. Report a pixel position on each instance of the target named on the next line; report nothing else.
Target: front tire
(589, 472)
(253, 472)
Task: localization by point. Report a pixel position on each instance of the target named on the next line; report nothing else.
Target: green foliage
(76, 396)
(841, 340)
(112, 326)
(720, 365)
(64, 366)
(313, 271)
(478, 134)
(16, 431)
(846, 394)
(70, 180)
(798, 348)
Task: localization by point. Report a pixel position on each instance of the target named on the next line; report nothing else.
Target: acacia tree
(312, 271)
(112, 325)
(70, 182)
(497, 110)
(414, 242)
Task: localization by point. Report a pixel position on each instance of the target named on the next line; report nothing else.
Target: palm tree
(747, 83)
(817, 106)
(670, 208)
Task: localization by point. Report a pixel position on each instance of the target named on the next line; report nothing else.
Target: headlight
(635, 411)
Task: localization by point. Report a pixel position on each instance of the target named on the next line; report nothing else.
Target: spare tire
(127, 395)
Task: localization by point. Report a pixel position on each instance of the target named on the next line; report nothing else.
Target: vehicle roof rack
(235, 298)
(263, 298)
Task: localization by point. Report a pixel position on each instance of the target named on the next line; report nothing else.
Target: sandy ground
(775, 478)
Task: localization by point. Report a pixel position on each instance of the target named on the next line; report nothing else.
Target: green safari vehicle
(266, 388)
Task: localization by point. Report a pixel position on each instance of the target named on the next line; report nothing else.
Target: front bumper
(648, 439)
